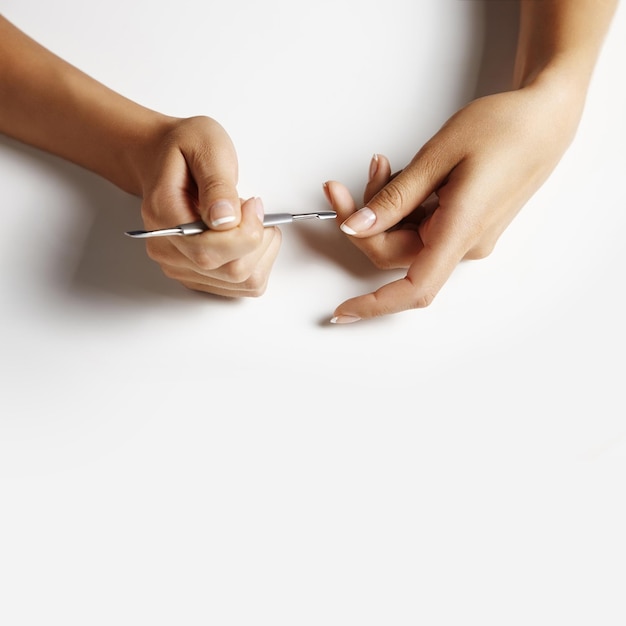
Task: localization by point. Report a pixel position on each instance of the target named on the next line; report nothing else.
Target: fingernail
(221, 212)
(373, 166)
(260, 209)
(326, 189)
(344, 319)
(358, 222)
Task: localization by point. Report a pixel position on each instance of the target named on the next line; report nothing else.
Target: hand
(191, 174)
(456, 196)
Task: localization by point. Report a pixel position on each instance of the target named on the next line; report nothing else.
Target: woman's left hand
(457, 195)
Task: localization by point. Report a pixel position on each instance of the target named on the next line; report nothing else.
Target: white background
(172, 458)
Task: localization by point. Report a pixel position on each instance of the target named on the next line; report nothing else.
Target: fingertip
(259, 208)
(253, 207)
(373, 166)
(326, 190)
(340, 199)
(219, 205)
(346, 229)
(334, 192)
(344, 319)
(221, 213)
(359, 222)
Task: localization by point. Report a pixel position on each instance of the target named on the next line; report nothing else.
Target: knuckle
(236, 271)
(216, 188)
(481, 245)
(173, 272)
(157, 203)
(424, 299)
(168, 271)
(394, 194)
(255, 285)
(432, 164)
(154, 252)
(256, 290)
(191, 286)
(423, 295)
(204, 259)
(250, 280)
(481, 251)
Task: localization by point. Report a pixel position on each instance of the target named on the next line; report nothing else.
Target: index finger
(431, 267)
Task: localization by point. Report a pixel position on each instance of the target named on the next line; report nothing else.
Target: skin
(467, 183)
(183, 168)
(451, 202)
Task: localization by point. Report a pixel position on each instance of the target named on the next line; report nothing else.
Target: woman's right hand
(190, 173)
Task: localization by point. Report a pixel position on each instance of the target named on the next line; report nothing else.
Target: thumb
(215, 175)
(219, 204)
(400, 196)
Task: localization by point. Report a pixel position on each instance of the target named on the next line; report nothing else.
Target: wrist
(141, 148)
(561, 39)
(562, 85)
(570, 72)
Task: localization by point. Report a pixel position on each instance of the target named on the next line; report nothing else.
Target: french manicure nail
(358, 222)
(327, 192)
(260, 209)
(221, 212)
(373, 166)
(344, 319)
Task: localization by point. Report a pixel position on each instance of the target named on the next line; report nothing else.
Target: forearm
(52, 105)
(563, 37)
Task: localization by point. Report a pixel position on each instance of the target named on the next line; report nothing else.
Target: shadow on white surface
(109, 264)
(89, 253)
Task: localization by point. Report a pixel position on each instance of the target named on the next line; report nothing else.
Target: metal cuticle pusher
(195, 228)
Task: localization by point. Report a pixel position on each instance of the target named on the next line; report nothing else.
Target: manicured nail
(260, 209)
(221, 212)
(373, 166)
(327, 193)
(358, 222)
(344, 319)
